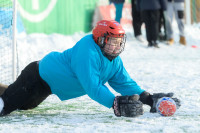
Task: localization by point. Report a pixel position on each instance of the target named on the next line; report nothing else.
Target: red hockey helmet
(107, 30)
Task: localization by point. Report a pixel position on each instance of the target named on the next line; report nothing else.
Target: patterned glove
(128, 106)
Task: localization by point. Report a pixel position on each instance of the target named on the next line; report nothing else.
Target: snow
(173, 68)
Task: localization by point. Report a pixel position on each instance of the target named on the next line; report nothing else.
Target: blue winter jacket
(83, 69)
(152, 4)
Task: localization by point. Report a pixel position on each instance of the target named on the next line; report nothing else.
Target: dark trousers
(162, 24)
(27, 92)
(151, 20)
(137, 21)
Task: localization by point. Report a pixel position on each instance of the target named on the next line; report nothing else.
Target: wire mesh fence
(6, 12)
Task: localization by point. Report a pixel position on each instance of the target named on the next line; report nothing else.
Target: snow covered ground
(167, 69)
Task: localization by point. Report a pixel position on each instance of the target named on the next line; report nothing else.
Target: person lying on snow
(82, 70)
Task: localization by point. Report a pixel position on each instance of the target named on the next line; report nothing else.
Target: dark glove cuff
(116, 106)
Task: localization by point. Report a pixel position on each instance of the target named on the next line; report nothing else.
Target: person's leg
(164, 26)
(179, 15)
(154, 28)
(42, 91)
(23, 91)
(137, 23)
(119, 7)
(147, 20)
(18, 92)
(161, 35)
(160, 21)
(169, 19)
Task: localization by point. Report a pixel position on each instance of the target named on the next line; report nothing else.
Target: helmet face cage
(111, 38)
(111, 47)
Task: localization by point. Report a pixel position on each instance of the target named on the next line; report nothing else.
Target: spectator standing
(175, 7)
(118, 6)
(150, 15)
(137, 21)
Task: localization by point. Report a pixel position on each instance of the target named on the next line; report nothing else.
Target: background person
(137, 21)
(175, 7)
(118, 6)
(150, 15)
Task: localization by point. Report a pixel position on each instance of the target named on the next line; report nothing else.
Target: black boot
(150, 44)
(155, 44)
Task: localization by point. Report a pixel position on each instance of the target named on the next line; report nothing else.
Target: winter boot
(155, 44)
(170, 41)
(182, 40)
(150, 44)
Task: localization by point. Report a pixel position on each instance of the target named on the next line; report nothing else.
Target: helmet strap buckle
(102, 40)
